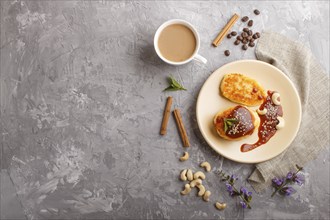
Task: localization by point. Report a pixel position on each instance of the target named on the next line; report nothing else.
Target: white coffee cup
(195, 55)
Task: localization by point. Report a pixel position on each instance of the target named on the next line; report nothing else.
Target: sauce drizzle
(268, 122)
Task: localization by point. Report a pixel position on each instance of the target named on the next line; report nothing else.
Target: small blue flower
(230, 189)
(289, 175)
(249, 194)
(243, 190)
(277, 182)
(299, 179)
(233, 177)
(243, 204)
(287, 190)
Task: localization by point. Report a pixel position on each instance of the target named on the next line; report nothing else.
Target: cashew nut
(185, 156)
(190, 175)
(206, 196)
(186, 190)
(281, 123)
(183, 175)
(199, 174)
(206, 166)
(195, 183)
(220, 206)
(201, 190)
(262, 112)
(275, 98)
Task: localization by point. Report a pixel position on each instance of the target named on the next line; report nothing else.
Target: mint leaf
(228, 122)
(174, 85)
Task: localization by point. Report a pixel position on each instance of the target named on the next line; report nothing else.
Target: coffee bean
(237, 42)
(245, 29)
(251, 44)
(239, 38)
(258, 34)
(256, 11)
(250, 23)
(227, 53)
(249, 38)
(244, 47)
(244, 34)
(252, 40)
(233, 33)
(228, 36)
(250, 33)
(245, 18)
(255, 36)
(244, 41)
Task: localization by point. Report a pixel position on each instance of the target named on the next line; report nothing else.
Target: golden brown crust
(218, 122)
(241, 89)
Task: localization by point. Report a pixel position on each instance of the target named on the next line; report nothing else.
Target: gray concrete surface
(82, 102)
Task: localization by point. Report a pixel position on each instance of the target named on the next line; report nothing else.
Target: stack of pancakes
(247, 92)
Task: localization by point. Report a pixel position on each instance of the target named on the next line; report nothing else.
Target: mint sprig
(228, 122)
(174, 85)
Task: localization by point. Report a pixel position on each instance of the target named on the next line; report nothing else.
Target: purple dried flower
(244, 195)
(288, 190)
(280, 185)
(289, 175)
(277, 181)
(243, 190)
(233, 177)
(299, 179)
(230, 189)
(243, 204)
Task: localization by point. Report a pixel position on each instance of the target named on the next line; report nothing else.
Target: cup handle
(199, 58)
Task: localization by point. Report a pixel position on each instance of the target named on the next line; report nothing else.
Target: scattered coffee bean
(258, 34)
(256, 11)
(251, 44)
(237, 42)
(229, 36)
(239, 38)
(249, 38)
(255, 36)
(233, 33)
(227, 53)
(252, 40)
(244, 47)
(245, 19)
(250, 33)
(246, 29)
(244, 41)
(250, 23)
(244, 34)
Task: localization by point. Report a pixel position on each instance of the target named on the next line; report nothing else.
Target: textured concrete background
(82, 102)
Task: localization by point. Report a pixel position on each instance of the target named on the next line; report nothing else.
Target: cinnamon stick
(225, 30)
(182, 130)
(166, 115)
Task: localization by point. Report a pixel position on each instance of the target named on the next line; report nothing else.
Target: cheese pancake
(241, 89)
(236, 123)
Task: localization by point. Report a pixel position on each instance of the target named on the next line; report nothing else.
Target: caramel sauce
(244, 125)
(268, 122)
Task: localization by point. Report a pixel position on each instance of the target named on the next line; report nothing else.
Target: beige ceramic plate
(210, 102)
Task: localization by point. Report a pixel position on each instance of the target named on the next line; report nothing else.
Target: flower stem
(279, 188)
(285, 183)
(242, 197)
